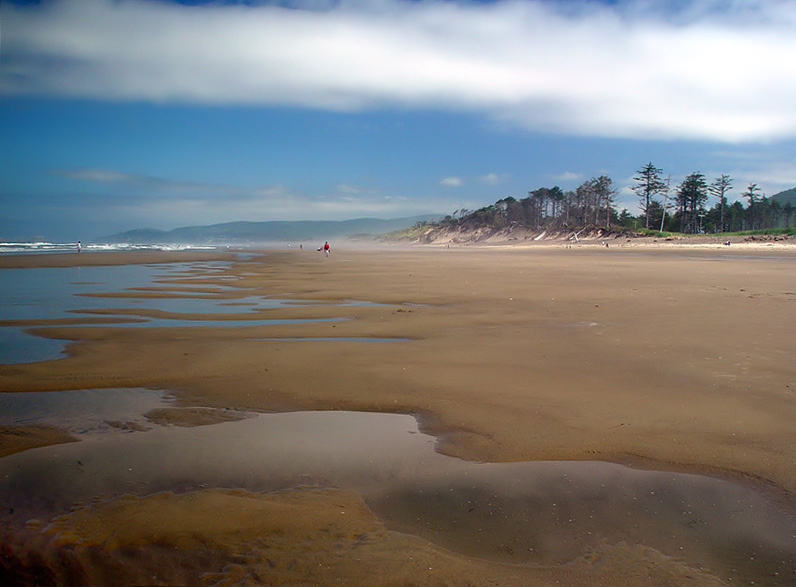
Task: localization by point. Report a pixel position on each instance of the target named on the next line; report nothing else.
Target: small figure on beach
(79, 246)
(326, 248)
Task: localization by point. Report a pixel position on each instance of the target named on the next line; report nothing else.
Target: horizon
(337, 110)
(98, 239)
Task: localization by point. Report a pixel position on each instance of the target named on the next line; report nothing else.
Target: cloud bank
(136, 195)
(715, 70)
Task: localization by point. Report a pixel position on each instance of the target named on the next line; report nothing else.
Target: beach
(659, 357)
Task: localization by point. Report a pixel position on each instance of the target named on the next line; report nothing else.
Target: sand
(108, 258)
(299, 537)
(662, 357)
(16, 438)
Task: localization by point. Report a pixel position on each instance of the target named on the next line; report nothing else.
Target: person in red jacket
(326, 248)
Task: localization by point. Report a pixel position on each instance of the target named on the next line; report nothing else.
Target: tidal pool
(525, 512)
(82, 411)
(333, 339)
(48, 293)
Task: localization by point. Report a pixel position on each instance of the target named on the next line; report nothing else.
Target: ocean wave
(7, 248)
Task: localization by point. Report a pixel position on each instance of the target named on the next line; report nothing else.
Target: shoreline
(759, 244)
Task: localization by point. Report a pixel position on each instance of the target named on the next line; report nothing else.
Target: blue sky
(122, 114)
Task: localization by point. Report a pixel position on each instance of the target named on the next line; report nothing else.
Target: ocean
(12, 248)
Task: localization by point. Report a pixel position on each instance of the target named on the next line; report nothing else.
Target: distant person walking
(326, 249)
(79, 246)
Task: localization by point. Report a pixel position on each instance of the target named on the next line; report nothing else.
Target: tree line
(686, 208)
(683, 208)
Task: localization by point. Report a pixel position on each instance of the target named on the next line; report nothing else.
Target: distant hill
(783, 198)
(263, 232)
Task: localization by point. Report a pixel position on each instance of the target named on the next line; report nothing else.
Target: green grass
(791, 231)
(655, 233)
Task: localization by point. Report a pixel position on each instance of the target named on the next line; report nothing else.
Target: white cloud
(355, 190)
(709, 69)
(99, 175)
(183, 211)
(567, 176)
(492, 178)
(452, 182)
(133, 183)
(210, 203)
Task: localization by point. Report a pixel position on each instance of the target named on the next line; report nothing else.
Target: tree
(604, 190)
(656, 213)
(556, 196)
(719, 188)
(538, 199)
(626, 218)
(582, 202)
(751, 194)
(666, 191)
(787, 211)
(649, 184)
(774, 213)
(691, 197)
(503, 210)
(592, 198)
(736, 217)
(570, 205)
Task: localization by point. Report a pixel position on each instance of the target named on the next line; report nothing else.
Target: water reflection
(198, 321)
(18, 346)
(73, 292)
(45, 293)
(333, 339)
(83, 411)
(49, 292)
(545, 512)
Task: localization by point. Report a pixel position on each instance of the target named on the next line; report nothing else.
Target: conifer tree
(719, 188)
(649, 184)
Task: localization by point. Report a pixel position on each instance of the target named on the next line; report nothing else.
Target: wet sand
(303, 537)
(668, 358)
(17, 438)
(111, 258)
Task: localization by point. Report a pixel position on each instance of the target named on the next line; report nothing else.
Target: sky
(124, 114)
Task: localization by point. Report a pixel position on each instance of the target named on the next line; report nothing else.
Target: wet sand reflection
(530, 512)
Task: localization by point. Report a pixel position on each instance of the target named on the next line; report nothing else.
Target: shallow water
(81, 412)
(57, 292)
(19, 346)
(47, 293)
(334, 339)
(529, 512)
